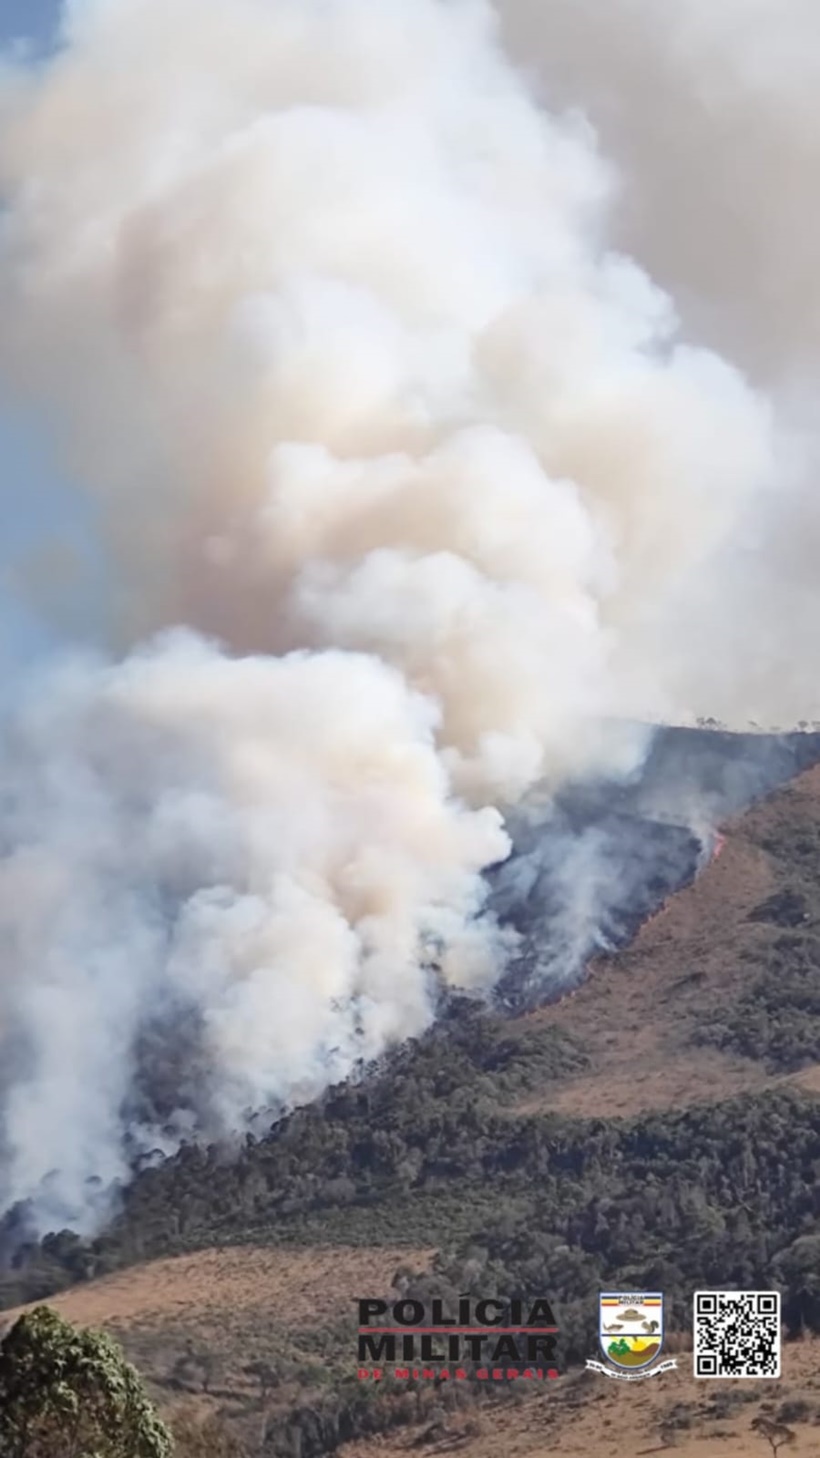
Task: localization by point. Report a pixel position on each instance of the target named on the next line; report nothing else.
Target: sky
(35, 506)
(32, 19)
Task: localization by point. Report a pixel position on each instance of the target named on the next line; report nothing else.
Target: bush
(64, 1391)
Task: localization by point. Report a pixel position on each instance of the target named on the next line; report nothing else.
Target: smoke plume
(709, 112)
(399, 466)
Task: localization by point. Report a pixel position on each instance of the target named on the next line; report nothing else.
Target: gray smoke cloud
(709, 113)
(406, 475)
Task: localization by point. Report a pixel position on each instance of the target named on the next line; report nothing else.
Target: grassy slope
(571, 1114)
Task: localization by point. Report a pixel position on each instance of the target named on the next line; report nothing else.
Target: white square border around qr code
(700, 1307)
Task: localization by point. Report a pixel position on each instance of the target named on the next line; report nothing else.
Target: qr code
(737, 1333)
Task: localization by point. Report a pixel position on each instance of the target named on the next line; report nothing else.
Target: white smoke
(268, 843)
(710, 113)
(320, 301)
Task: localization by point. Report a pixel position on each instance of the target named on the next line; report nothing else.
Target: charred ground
(585, 876)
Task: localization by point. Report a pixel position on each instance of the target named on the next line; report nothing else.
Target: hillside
(658, 1126)
(719, 993)
(206, 1328)
(586, 1416)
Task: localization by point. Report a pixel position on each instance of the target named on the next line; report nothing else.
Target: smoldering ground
(405, 480)
(593, 863)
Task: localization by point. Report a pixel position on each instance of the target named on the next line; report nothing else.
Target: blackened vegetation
(589, 868)
(575, 890)
(718, 770)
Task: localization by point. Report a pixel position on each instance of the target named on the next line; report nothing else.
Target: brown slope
(637, 1012)
(585, 1415)
(294, 1287)
(236, 1307)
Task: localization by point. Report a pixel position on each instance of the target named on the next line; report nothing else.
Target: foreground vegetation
(70, 1394)
(431, 1150)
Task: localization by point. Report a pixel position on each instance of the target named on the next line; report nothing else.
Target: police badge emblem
(630, 1333)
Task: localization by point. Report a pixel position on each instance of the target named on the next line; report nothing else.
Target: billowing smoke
(709, 111)
(397, 468)
(262, 851)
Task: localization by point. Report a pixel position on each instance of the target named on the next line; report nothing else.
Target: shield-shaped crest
(630, 1327)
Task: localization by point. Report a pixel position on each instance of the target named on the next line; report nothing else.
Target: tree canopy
(67, 1393)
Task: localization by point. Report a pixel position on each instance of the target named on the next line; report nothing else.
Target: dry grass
(194, 1324)
(586, 1415)
(289, 1288)
(293, 1287)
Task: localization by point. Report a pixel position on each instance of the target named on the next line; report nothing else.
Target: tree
(190, 1363)
(66, 1393)
(265, 1375)
(777, 1435)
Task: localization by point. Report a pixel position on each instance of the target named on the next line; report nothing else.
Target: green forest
(428, 1150)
